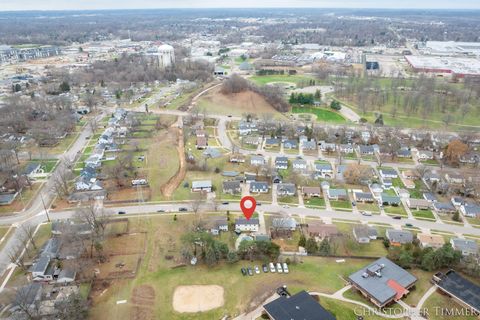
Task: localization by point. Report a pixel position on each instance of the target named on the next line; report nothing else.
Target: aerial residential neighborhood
(270, 160)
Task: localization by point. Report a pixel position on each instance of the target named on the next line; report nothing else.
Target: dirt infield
(197, 298)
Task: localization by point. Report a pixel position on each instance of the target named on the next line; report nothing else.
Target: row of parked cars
(278, 267)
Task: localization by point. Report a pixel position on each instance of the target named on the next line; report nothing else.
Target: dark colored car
(397, 217)
(408, 225)
(121, 212)
(183, 209)
(259, 204)
(354, 203)
(244, 271)
(264, 268)
(250, 271)
(160, 210)
(225, 203)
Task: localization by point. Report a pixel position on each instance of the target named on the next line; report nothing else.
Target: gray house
(258, 187)
(466, 246)
(383, 282)
(232, 187)
(286, 189)
(363, 234)
(398, 237)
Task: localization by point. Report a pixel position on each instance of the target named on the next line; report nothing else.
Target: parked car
(285, 206)
(257, 270)
(354, 203)
(244, 271)
(285, 267)
(272, 267)
(122, 212)
(366, 213)
(408, 225)
(264, 268)
(160, 210)
(182, 209)
(225, 203)
(396, 217)
(250, 271)
(279, 268)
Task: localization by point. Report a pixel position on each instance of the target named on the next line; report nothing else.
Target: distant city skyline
(14, 5)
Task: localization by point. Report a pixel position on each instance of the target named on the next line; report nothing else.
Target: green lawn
(323, 115)
(396, 210)
(263, 80)
(340, 204)
(344, 310)
(314, 202)
(288, 199)
(438, 302)
(368, 207)
(423, 214)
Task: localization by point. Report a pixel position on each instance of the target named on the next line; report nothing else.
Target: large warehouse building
(456, 66)
(451, 47)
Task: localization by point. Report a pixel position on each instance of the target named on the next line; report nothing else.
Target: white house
(203, 185)
(247, 225)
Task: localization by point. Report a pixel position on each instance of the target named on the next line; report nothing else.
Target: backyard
(160, 276)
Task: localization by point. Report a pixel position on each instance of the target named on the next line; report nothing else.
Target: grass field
(241, 293)
(414, 118)
(323, 115)
(235, 104)
(295, 79)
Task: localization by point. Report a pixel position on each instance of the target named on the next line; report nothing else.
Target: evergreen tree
(311, 246)
(303, 241)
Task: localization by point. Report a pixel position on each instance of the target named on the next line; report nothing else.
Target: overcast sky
(7, 5)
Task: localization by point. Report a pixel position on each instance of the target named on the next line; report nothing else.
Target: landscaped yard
(322, 114)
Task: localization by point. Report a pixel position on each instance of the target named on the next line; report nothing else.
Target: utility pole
(44, 207)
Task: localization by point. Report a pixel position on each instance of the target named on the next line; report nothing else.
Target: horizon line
(242, 8)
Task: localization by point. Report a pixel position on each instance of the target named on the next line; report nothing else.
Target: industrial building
(455, 66)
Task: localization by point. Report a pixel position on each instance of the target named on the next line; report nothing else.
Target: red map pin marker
(248, 205)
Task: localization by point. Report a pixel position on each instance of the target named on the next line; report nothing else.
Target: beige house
(430, 240)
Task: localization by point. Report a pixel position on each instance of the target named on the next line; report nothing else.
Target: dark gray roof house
(301, 306)
(286, 189)
(256, 187)
(383, 282)
(399, 237)
(466, 246)
(456, 286)
(232, 187)
(387, 199)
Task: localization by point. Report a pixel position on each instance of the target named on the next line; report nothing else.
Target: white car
(285, 268)
(257, 270)
(272, 267)
(286, 206)
(366, 213)
(279, 268)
